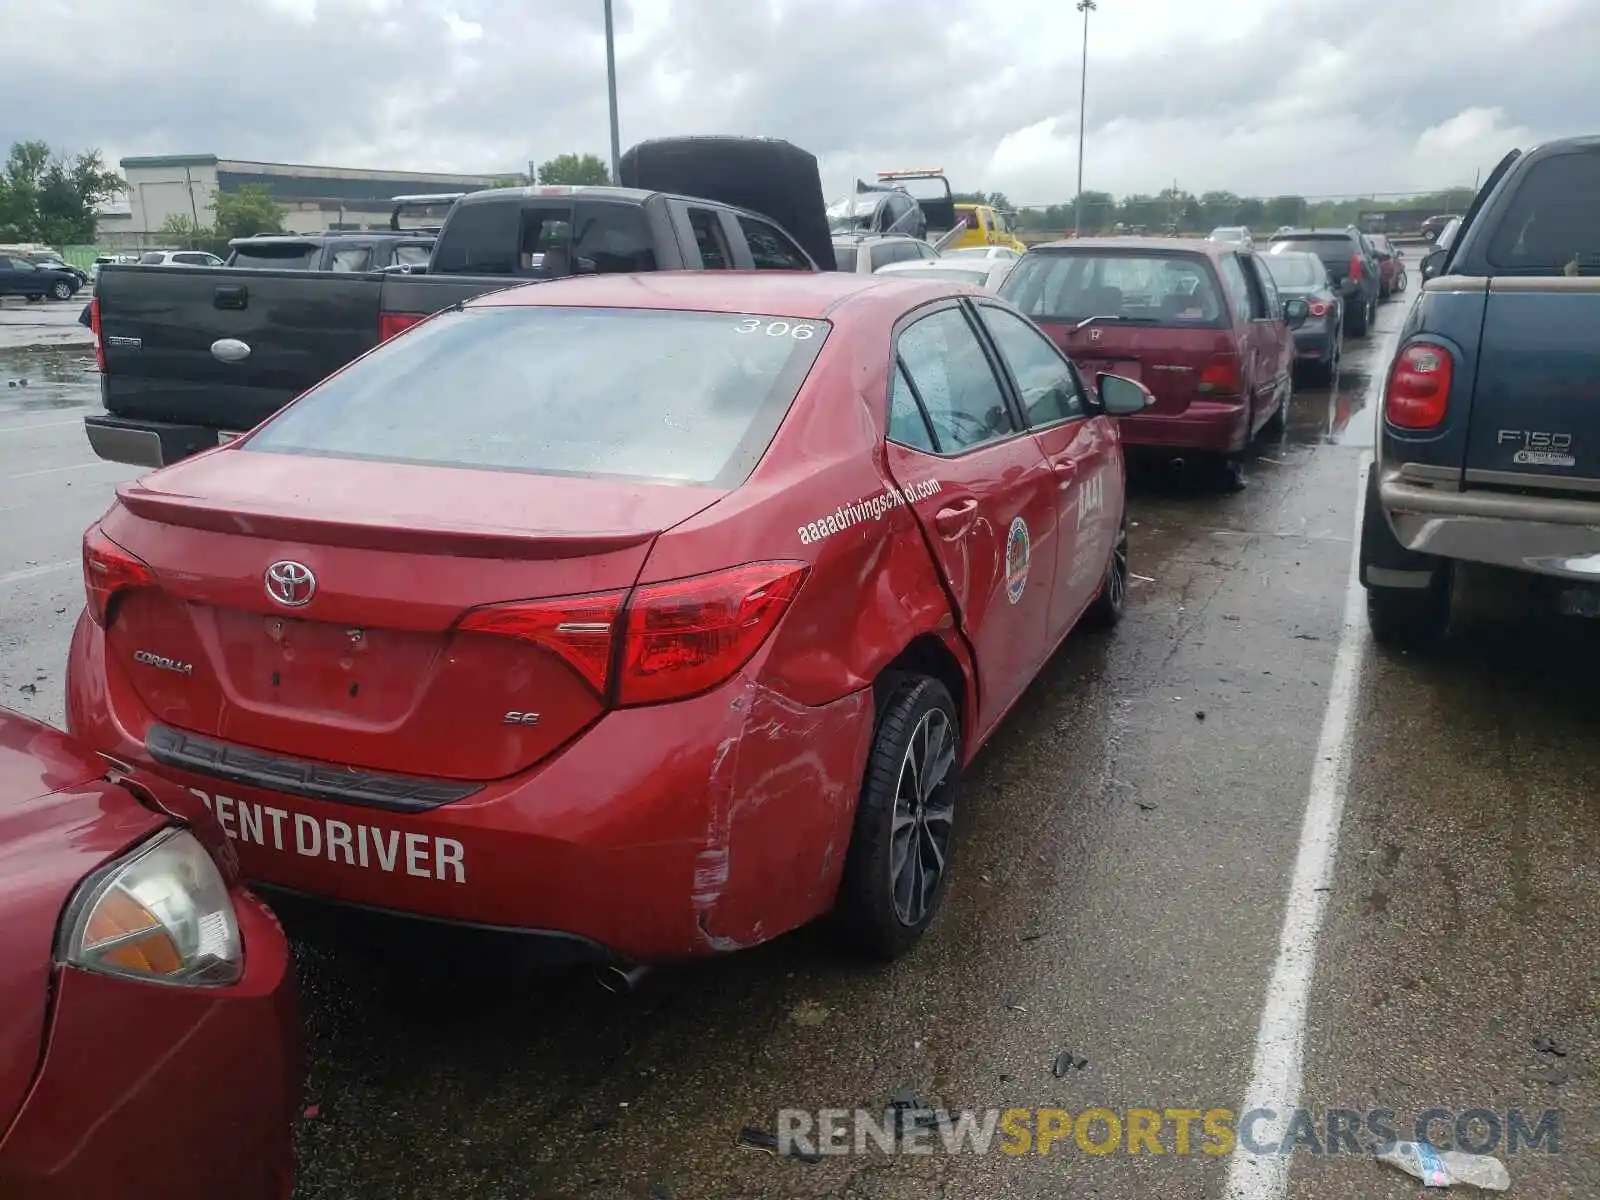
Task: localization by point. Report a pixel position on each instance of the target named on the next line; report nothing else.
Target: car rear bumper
(1206, 426)
(146, 443)
(151, 1092)
(1539, 535)
(661, 833)
(1315, 344)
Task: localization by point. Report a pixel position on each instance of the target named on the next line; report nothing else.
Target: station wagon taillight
(1418, 390)
(390, 324)
(1221, 376)
(666, 641)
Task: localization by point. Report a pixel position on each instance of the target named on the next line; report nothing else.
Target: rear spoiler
(426, 201)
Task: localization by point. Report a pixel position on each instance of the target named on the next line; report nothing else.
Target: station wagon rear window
(1149, 288)
(652, 395)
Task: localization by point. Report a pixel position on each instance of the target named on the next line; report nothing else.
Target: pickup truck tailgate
(160, 327)
(1536, 402)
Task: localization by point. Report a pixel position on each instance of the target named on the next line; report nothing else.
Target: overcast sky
(1315, 97)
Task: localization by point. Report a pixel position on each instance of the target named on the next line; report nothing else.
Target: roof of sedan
(809, 294)
(1192, 245)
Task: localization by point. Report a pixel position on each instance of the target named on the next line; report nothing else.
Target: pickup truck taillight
(1418, 391)
(390, 324)
(99, 343)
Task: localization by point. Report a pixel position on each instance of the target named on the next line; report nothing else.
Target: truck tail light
(107, 570)
(390, 324)
(1418, 391)
(1221, 376)
(666, 641)
(99, 342)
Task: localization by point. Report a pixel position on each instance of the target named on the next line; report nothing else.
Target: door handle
(1066, 472)
(231, 296)
(952, 522)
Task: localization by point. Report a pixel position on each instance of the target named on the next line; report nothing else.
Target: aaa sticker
(1017, 548)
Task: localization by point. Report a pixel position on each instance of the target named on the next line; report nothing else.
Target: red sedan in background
(149, 1048)
(1200, 323)
(585, 610)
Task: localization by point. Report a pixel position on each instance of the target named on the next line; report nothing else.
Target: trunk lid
(373, 670)
(1169, 361)
(1536, 399)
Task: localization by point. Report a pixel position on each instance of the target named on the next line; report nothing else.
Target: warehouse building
(313, 199)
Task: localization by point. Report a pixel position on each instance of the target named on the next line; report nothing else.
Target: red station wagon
(1199, 323)
(585, 610)
(149, 1046)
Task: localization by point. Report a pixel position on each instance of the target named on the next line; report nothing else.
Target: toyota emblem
(291, 583)
(1096, 334)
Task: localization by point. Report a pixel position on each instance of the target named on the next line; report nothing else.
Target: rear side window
(613, 239)
(280, 256)
(480, 239)
(1552, 225)
(907, 425)
(710, 238)
(845, 257)
(351, 258)
(1045, 382)
(770, 250)
(557, 391)
(953, 380)
(1158, 289)
(413, 255)
(1238, 290)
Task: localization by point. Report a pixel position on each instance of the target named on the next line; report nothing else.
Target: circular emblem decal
(1017, 546)
(291, 583)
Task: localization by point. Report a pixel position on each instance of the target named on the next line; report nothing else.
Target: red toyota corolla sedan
(149, 1048)
(652, 616)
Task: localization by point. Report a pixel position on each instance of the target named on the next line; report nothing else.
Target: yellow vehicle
(953, 226)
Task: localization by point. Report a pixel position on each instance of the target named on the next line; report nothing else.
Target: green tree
(1283, 210)
(1219, 208)
(246, 212)
(53, 198)
(575, 170)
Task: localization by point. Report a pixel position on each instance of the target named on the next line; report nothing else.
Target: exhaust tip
(620, 981)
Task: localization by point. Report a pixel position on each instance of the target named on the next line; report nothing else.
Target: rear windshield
(663, 396)
(1296, 270)
(1334, 249)
(1552, 225)
(978, 275)
(292, 256)
(1162, 289)
(845, 257)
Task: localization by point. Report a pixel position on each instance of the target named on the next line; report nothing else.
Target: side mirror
(1295, 312)
(1121, 396)
(1433, 263)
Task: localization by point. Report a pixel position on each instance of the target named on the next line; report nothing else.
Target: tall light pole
(1085, 7)
(611, 89)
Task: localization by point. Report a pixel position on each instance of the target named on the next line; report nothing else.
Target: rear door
(1159, 316)
(983, 493)
(159, 327)
(1080, 446)
(1536, 401)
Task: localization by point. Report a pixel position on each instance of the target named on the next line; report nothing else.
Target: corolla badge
(291, 583)
(151, 659)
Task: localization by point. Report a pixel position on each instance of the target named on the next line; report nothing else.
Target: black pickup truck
(190, 358)
(1489, 436)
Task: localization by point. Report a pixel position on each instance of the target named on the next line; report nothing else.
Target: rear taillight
(1221, 375)
(107, 570)
(577, 629)
(689, 635)
(1355, 267)
(668, 640)
(390, 324)
(1318, 308)
(99, 342)
(1418, 391)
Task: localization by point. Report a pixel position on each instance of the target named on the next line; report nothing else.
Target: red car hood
(59, 820)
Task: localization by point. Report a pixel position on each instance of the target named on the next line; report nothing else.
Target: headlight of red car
(161, 914)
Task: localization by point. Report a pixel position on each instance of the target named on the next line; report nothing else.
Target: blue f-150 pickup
(1489, 435)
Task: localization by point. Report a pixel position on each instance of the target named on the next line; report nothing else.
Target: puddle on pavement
(1341, 415)
(36, 378)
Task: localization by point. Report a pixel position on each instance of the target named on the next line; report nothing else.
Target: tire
(1275, 423)
(878, 910)
(1230, 474)
(36, 299)
(765, 175)
(1107, 608)
(1400, 283)
(1357, 322)
(61, 290)
(1412, 619)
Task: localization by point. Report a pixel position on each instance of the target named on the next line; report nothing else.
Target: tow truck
(952, 226)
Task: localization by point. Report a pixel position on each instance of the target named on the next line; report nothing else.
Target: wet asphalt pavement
(1128, 839)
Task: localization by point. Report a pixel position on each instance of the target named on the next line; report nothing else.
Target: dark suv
(1352, 266)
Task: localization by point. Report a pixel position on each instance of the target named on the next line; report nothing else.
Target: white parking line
(39, 425)
(1278, 1070)
(88, 466)
(11, 577)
